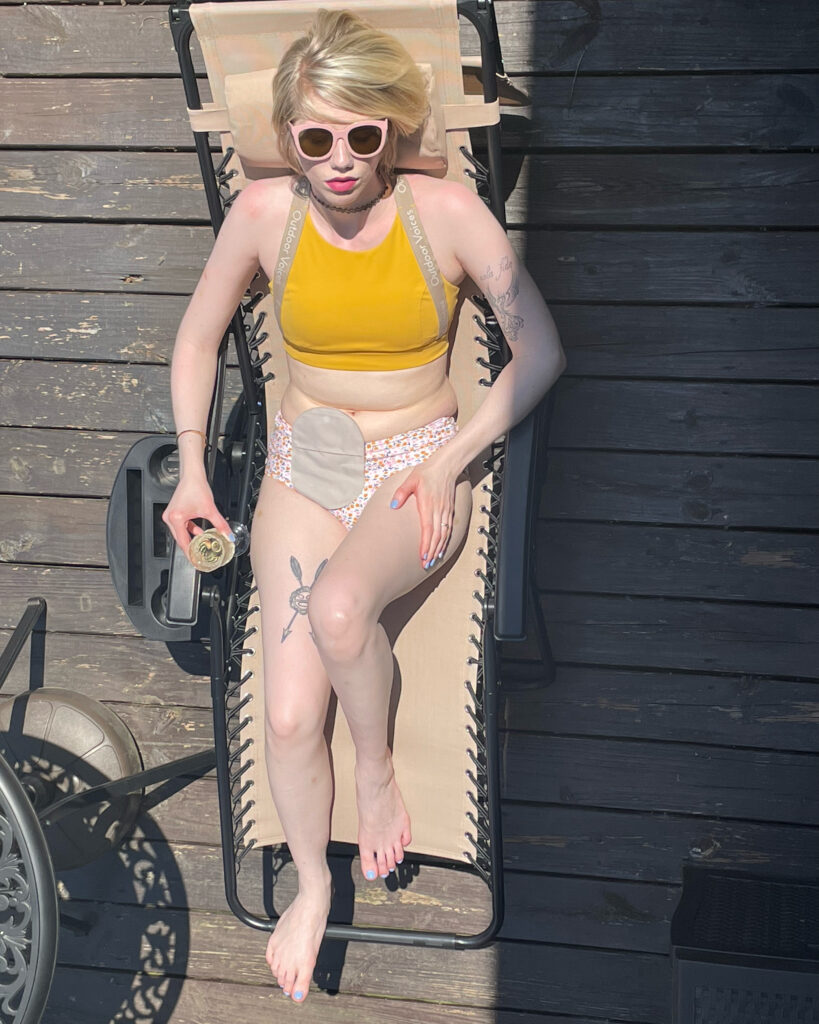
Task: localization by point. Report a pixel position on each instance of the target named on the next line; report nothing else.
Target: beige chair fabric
(436, 628)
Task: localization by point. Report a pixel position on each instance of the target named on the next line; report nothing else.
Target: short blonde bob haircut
(345, 62)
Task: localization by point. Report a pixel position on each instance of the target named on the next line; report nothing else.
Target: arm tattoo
(501, 301)
(300, 596)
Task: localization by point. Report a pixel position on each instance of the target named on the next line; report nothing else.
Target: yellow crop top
(370, 310)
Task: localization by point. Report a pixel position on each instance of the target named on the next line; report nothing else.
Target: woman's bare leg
(291, 538)
(375, 563)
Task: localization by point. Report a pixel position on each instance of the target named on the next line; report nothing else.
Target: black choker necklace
(349, 209)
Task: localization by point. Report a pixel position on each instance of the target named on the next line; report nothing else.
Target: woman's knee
(339, 615)
(294, 722)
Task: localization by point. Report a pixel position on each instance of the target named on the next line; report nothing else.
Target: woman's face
(344, 176)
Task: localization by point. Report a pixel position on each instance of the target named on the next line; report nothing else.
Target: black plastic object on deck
(745, 949)
(158, 587)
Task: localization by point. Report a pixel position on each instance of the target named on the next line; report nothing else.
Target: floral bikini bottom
(382, 458)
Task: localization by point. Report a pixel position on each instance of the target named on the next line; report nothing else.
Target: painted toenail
(385, 875)
(370, 874)
(391, 870)
(299, 995)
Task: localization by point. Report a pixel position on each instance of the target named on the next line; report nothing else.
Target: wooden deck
(666, 204)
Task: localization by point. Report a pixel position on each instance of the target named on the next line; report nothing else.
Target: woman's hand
(192, 499)
(433, 484)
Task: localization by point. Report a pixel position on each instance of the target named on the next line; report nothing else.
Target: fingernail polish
(232, 537)
(371, 874)
(394, 503)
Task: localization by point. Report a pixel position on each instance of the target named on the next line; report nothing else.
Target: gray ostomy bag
(327, 463)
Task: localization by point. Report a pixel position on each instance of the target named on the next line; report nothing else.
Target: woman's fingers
(444, 539)
(434, 535)
(427, 538)
(215, 517)
(438, 536)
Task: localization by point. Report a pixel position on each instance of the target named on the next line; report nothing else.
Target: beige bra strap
(290, 242)
(422, 251)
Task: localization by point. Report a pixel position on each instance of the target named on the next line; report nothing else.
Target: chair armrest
(518, 511)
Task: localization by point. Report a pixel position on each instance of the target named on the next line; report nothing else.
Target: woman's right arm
(232, 264)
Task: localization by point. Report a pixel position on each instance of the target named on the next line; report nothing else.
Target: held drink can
(211, 549)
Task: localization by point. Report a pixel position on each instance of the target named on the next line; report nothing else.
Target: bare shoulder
(458, 211)
(265, 197)
(257, 216)
(443, 196)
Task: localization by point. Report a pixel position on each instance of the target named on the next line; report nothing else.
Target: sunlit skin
(388, 552)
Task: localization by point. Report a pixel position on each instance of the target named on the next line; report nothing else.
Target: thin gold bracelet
(193, 430)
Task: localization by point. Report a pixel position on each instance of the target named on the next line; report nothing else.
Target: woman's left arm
(486, 255)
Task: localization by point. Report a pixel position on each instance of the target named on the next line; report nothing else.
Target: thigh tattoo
(300, 596)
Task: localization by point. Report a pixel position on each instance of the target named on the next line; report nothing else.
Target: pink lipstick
(341, 185)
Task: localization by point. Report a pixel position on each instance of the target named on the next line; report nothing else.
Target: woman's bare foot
(383, 822)
(294, 944)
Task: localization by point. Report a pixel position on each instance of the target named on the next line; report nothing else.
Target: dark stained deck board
(748, 710)
(74, 463)
(79, 599)
(631, 559)
(658, 187)
(683, 634)
(619, 703)
(649, 415)
(768, 111)
(727, 341)
(731, 342)
(640, 487)
(535, 977)
(562, 842)
(543, 844)
(202, 1001)
(534, 36)
(90, 325)
(768, 567)
(769, 268)
(626, 917)
(755, 492)
(629, 775)
(719, 189)
(113, 396)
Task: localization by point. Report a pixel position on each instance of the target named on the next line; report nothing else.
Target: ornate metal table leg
(29, 918)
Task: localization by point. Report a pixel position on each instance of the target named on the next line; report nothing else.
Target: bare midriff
(383, 403)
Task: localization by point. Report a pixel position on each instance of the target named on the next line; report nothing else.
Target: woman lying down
(365, 334)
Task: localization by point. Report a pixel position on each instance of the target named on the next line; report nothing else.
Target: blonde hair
(346, 62)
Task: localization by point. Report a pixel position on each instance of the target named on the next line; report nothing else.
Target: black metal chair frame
(509, 580)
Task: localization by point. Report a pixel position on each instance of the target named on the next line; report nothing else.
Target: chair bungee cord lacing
(228, 679)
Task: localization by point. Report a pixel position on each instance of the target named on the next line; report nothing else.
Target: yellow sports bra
(374, 309)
